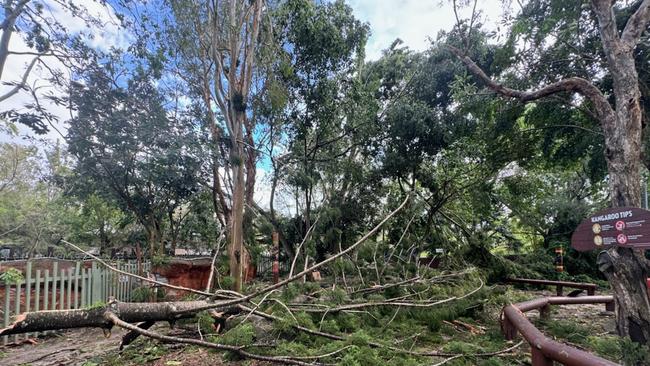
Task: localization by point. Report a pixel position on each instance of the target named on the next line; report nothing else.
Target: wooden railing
(545, 350)
(559, 285)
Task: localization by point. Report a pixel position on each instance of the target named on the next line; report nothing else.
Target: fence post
(6, 309)
(55, 272)
(96, 285)
(28, 288)
(37, 295)
(62, 289)
(76, 284)
(70, 271)
(18, 283)
(82, 288)
(46, 292)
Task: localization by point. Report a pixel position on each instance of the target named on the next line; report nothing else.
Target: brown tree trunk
(81, 318)
(626, 269)
(235, 249)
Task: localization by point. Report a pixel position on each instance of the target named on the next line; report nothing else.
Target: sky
(412, 21)
(415, 21)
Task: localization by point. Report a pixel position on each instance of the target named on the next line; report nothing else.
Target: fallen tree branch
(181, 288)
(426, 304)
(114, 319)
(94, 317)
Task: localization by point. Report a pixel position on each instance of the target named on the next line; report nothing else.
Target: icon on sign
(596, 229)
(620, 225)
(621, 238)
(598, 240)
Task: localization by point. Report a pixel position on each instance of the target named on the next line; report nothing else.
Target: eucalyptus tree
(608, 89)
(217, 44)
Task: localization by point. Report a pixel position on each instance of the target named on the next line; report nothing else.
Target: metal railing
(545, 350)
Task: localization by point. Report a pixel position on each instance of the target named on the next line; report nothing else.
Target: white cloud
(102, 37)
(414, 21)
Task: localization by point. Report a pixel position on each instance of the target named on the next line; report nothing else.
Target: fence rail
(559, 285)
(65, 288)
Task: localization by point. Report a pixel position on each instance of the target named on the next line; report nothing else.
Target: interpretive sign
(623, 226)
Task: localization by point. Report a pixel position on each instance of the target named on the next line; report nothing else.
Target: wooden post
(28, 288)
(55, 272)
(276, 257)
(6, 309)
(77, 267)
(62, 289)
(96, 285)
(538, 358)
(37, 296)
(46, 292)
(70, 280)
(17, 308)
(545, 312)
(82, 288)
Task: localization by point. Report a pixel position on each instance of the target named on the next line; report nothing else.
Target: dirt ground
(72, 347)
(88, 347)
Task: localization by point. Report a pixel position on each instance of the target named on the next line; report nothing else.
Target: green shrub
(634, 354)
(238, 336)
(12, 276)
(227, 282)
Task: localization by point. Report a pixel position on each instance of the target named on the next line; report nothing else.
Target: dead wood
(94, 317)
(114, 319)
(131, 336)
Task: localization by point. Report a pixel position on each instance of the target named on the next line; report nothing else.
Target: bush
(11, 275)
(227, 282)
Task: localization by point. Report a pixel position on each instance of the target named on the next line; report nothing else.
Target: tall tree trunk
(625, 268)
(235, 250)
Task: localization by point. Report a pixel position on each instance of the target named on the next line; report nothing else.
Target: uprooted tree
(621, 122)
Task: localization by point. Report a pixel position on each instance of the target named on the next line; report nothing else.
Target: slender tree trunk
(235, 249)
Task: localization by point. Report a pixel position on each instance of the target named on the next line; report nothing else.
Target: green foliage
(634, 353)
(242, 334)
(160, 260)
(567, 329)
(146, 294)
(359, 356)
(227, 282)
(11, 276)
(96, 305)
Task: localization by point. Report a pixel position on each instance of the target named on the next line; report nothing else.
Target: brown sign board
(622, 226)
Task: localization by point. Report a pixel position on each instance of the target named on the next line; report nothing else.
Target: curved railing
(545, 350)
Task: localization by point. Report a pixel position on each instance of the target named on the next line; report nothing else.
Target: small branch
(223, 347)
(304, 240)
(181, 288)
(636, 25)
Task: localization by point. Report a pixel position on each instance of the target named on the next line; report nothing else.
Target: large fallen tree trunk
(96, 317)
